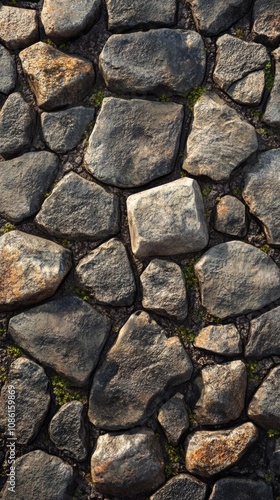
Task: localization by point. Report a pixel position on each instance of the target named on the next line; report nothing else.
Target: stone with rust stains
(18, 27)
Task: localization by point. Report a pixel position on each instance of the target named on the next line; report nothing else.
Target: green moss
(97, 97)
(164, 98)
(240, 33)
(8, 227)
(183, 174)
(63, 46)
(172, 453)
(265, 248)
(237, 192)
(2, 331)
(186, 334)
(194, 95)
(206, 190)
(48, 41)
(64, 393)
(14, 351)
(268, 76)
(272, 433)
(3, 375)
(251, 367)
(81, 293)
(190, 277)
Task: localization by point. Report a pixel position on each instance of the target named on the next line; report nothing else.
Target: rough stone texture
(24, 181)
(232, 488)
(18, 27)
(107, 275)
(126, 15)
(264, 409)
(134, 142)
(210, 452)
(63, 130)
(128, 463)
(221, 339)
(40, 475)
(142, 353)
(55, 78)
(67, 430)
(31, 268)
(230, 216)
(78, 208)
(8, 71)
(236, 278)
(17, 120)
(182, 487)
(65, 334)
(272, 112)
(63, 19)
(219, 140)
(173, 418)
(222, 393)
(249, 90)
(273, 453)
(264, 335)
(266, 20)
(164, 289)
(261, 192)
(167, 220)
(155, 61)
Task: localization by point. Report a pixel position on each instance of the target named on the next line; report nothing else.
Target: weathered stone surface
(155, 61)
(264, 335)
(135, 373)
(67, 430)
(222, 391)
(8, 71)
(78, 208)
(18, 27)
(126, 15)
(261, 192)
(107, 275)
(232, 488)
(63, 19)
(266, 17)
(210, 452)
(168, 219)
(221, 339)
(236, 278)
(230, 216)
(128, 463)
(16, 125)
(24, 181)
(264, 409)
(173, 418)
(219, 140)
(182, 487)
(134, 142)
(273, 454)
(272, 112)
(63, 130)
(249, 90)
(164, 289)
(55, 78)
(40, 475)
(32, 269)
(65, 334)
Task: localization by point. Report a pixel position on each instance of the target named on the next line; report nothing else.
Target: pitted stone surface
(173, 418)
(272, 112)
(126, 15)
(264, 408)
(8, 71)
(264, 337)
(266, 20)
(230, 216)
(249, 90)
(232, 488)
(18, 27)
(221, 339)
(182, 487)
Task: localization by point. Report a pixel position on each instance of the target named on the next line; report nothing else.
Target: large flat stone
(18, 27)
(146, 14)
(182, 487)
(266, 21)
(233, 488)
(264, 335)
(272, 112)
(264, 408)
(8, 71)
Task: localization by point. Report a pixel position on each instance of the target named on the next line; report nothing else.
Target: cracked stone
(182, 487)
(266, 21)
(230, 216)
(263, 337)
(272, 112)
(221, 339)
(8, 73)
(18, 27)
(126, 15)
(232, 488)
(173, 418)
(264, 408)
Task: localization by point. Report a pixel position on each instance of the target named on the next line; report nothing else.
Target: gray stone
(182, 487)
(56, 79)
(266, 21)
(273, 453)
(264, 336)
(164, 289)
(272, 112)
(31, 269)
(154, 61)
(261, 191)
(173, 418)
(230, 216)
(233, 488)
(135, 374)
(63, 19)
(249, 90)
(126, 15)
(24, 181)
(264, 408)
(128, 463)
(236, 278)
(63, 130)
(221, 339)
(40, 475)
(65, 334)
(222, 390)
(134, 142)
(168, 219)
(219, 140)
(107, 275)
(78, 208)
(67, 430)
(17, 120)
(210, 452)
(18, 27)
(8, 72)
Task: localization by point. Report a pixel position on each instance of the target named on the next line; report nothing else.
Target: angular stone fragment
(236, 278)
(164, 289)
(249, 90)
(261, 192)
(221, 339)
(272, 112)
(127, 464)
(107, 275)
(273, 454)
(173, 418)
(232, 488)
(154, 61)
(168, 219)
(210, 452)
(182, 487)
(266, 18)
(16, 125)
(230, 216)
(63, 130)
(18, 27)
(67, 430)
(65, 334)
(31, 269)
(55, 78)
(264, 408)
(264, 335)
(24, 182)
(8, 72)
(134, 142)
(135, 374)
(78, 208)
(126, 15)
(219, 140)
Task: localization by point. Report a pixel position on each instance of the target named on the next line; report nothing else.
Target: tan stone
(18, 27)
